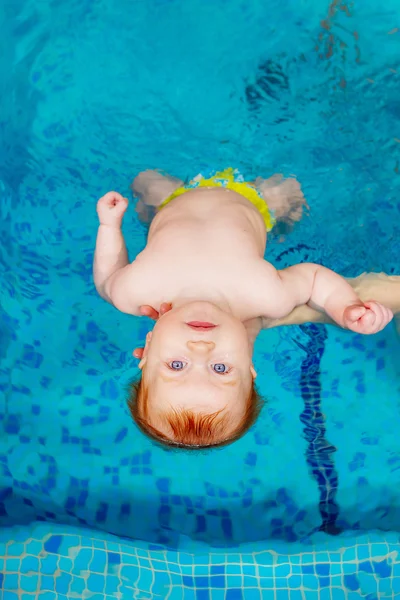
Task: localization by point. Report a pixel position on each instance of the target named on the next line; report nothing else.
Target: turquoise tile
(15, 549)
(385, 588)
(249, 582)
(96, 583)
(281, 582)
(249, 569)
(325, 594)
(295, 595)
(200, 569)
(47, 582)
(233, 581)
(78, 585)
(29, 583)
(266, 572)
(283, 570)
(99, 561)
(7, 595)
(29, 564)
(337, 581)
(294, 581)
(363, 552)
(34, 547)
(10, 582)
(65, 564)
(335, 568)
(339, 594)
(310, 582)
(252, 594)
(13, 565)
(49, 564)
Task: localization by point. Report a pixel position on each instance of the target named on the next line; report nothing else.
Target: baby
(205, 256)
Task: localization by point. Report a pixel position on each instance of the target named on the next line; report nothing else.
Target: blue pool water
(307, 504)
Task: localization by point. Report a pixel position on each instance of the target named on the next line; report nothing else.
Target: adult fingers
(148, 311)
(138, 353)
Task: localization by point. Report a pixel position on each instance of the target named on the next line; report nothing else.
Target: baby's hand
(111, 209)
(368, 318)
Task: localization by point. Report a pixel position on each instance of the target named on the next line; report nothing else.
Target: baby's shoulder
(266, 290)
(125, 288)
(263, 272)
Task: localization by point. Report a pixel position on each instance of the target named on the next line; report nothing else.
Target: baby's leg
(284, 197)
(152, 188)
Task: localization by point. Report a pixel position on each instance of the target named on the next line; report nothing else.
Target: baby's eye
(177, 365)
(221, 368)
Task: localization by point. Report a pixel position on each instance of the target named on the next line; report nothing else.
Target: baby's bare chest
(205, 255)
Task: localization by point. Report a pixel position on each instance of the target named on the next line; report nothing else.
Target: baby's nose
(200, 346)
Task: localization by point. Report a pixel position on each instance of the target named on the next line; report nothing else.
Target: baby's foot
(284, 197)
(145, 212)
(152, 188)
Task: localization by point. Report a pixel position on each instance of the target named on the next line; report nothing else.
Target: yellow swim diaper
(230, 179)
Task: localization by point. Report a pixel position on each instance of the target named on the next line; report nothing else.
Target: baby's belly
(208, 221)
(222, 238)
(209, 247)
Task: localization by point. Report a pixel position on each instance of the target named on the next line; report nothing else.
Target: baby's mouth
(201, 325)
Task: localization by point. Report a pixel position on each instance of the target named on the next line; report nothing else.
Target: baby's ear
(253, 371)
(145, 351)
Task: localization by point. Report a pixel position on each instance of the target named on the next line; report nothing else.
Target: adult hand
(148, 311)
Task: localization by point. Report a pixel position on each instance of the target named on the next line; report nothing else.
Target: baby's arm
(324, 290)
(385, 289)
(110, 254)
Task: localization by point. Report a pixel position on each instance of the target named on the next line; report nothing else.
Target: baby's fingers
(352, 316)
(354, 313)
(111, 199)
(367, 319)
(369, 322)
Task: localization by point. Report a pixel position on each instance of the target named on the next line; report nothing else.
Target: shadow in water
(319, 454)
(268, 84)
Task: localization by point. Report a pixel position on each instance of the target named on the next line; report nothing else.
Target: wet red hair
(189, 429)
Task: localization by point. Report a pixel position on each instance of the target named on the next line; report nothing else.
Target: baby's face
(204, 369)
